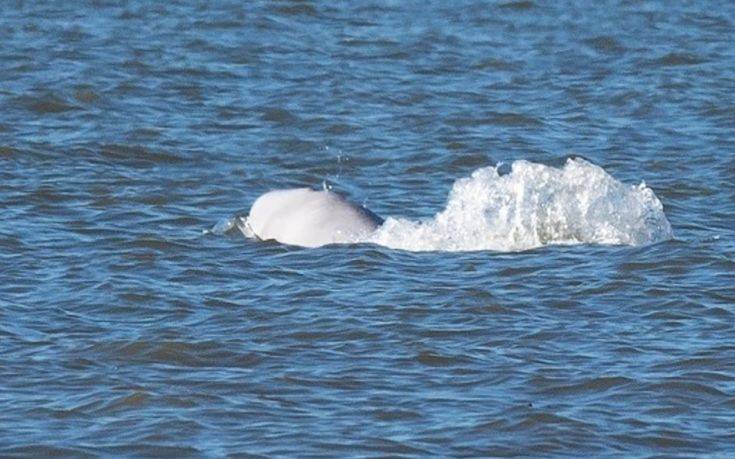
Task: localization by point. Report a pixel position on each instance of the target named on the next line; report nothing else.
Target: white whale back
(308, 218)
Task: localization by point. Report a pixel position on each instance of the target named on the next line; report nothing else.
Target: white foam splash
(532, 206)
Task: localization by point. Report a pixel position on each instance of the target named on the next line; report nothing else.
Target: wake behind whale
(531, 206)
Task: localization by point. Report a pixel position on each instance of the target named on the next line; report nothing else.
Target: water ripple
(128, 130)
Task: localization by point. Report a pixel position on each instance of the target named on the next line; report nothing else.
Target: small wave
(278, 115)
(605, 44)
(48, 104)
(520, 6)
(86, 95)
(531, 206)
(297, 10)
(678, 59)
(138, 155)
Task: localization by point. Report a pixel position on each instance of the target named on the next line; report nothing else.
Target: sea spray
(531, 206)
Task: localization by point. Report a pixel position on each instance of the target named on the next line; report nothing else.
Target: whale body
(308, 218)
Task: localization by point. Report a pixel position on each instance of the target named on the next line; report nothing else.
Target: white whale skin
(308, 218)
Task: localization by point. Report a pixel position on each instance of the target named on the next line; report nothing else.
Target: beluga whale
(307, 218)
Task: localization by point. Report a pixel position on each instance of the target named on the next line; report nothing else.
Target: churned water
(555, 274)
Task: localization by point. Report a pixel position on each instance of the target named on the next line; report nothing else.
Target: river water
(554, 278)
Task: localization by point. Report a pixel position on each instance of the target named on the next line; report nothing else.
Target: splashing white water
(532, 206)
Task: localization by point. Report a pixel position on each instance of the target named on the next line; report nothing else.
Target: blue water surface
(128, 129)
